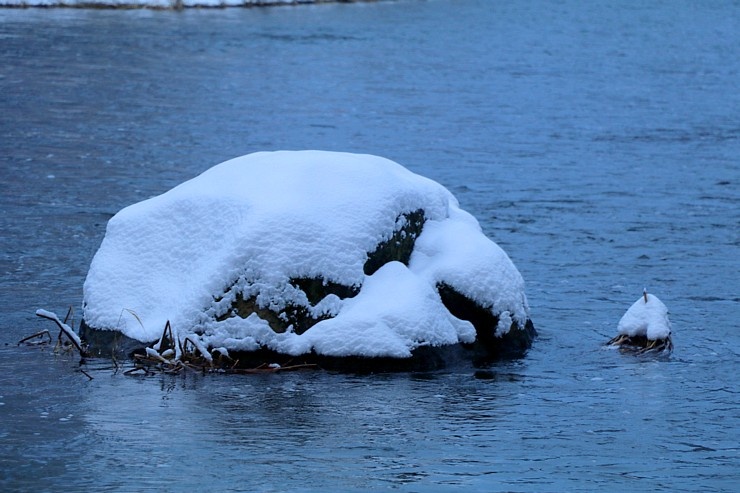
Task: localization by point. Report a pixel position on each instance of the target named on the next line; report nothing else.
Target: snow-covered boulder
(644, 326)
(306, 254)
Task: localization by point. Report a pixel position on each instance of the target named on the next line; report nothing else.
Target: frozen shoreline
(159, 4)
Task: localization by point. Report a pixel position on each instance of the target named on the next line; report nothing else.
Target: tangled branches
(170, 355)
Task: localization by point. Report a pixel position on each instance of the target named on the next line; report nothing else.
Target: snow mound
(647, 317)
(232, 256)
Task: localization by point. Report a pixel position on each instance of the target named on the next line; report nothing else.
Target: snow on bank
(154, 4)
(249, 226)
(647, 317)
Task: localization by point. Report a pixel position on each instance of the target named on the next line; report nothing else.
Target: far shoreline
(175, 5)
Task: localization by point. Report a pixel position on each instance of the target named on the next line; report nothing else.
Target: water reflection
(302, 429)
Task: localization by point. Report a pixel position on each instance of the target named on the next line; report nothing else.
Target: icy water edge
(597, 145)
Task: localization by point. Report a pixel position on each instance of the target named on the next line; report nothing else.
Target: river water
(597, 143)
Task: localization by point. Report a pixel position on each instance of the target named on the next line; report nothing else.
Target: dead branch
(70, 313)
(37, 334)
(136, 371)
(64, 328)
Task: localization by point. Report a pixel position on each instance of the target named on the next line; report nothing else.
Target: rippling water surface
(598, 144)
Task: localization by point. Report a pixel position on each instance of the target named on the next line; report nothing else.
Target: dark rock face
(398, 247)
(317, 289)
(107, 343)
(487, 346)
(423, 359)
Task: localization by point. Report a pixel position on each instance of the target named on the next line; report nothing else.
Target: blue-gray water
(598, 143)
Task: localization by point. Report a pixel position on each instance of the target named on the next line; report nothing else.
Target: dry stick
(164, 337)
(86, 374)
(143, 362)
(70, 312)
(67, 318)
(617, 340)
(133, 371)
(37, 334)
(167, 334)
(60, 343)
(143, 358)
(191, 366)
(656, 345)
(63, 327)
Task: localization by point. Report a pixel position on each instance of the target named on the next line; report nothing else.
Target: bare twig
(136, 371)
(70, 313)
(197, 348)
(621, 338)
(37, 334)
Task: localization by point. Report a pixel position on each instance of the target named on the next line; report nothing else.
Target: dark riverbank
(163, 4)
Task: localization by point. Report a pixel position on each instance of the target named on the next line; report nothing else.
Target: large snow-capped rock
(306, 252)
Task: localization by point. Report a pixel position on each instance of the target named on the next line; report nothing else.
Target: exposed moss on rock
(400, 245)
(318, 288)
(243, 308)
(292, 315)
(299, 317)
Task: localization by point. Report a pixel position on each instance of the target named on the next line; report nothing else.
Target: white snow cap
(266, 218)
(648, 317)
